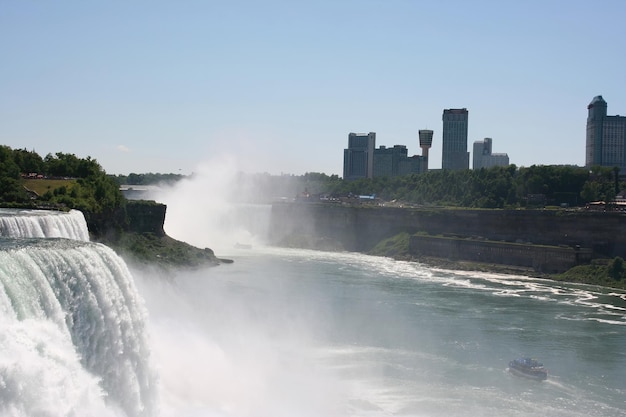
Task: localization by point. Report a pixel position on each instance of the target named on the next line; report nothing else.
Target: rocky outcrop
(144, 240)
(146, 216)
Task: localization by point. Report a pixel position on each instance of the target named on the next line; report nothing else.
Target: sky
(277, 86)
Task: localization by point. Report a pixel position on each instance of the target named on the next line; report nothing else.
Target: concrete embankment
(548, 240)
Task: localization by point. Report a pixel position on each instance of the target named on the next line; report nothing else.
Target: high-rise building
(358, 158)
(482, 156)
(606, 137)
(455, 155)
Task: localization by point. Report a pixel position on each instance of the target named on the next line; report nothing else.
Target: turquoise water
(295, 332)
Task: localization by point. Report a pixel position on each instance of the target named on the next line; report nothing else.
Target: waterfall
(86, 292)
(43, 223)
(72, 325)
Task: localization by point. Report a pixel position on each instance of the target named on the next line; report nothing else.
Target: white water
(72, 326)
(43, 223)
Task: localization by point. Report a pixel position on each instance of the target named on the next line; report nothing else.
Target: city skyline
(275, 86)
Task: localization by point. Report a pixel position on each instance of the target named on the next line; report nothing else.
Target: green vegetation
(162, 251)
(603, 272)
(60, 181)
(606, 273)
(64, 181)
(396, 247)
(147, 179)
(42, 186)
(496, 187)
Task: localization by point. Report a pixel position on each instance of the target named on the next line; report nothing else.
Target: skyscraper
(455, 155)
(358, 158)
(606, 137)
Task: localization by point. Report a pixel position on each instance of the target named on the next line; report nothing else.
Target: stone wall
(360, 228)
(541, 258)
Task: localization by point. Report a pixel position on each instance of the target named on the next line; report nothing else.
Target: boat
(529, 368)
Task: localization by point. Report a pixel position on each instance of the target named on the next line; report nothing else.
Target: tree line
(498, 187)
(85, 185)
(147, 178)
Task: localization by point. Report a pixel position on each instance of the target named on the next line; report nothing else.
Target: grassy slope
(593, 274)
(41, 186)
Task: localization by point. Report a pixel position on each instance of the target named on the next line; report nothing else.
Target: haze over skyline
(277, 86)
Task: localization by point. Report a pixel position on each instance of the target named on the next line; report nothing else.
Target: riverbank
(608, 273)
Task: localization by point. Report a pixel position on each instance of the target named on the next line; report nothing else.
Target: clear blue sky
(276, 86)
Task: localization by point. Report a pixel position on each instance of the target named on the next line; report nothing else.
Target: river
(285, 332)
(288, 332)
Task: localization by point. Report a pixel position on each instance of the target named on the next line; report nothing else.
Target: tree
(8, 167)
(590, 191)
(616, 268)
(28, 161)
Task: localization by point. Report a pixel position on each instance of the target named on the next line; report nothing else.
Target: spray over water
(214, 208)
(285, 332)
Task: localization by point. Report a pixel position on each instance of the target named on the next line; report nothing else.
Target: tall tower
(606, 137)
(596, 113)
(358, 158)
(455, 155)
(426, 141)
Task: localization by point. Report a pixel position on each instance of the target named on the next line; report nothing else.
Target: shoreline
(468, 266)
(461, 265)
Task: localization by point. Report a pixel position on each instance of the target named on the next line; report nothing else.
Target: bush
(616, 268)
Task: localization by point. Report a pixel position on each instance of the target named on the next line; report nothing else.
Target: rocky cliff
(144, 240)
(146, 217)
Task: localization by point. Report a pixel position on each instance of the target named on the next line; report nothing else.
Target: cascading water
(43, 223)
(73, 339)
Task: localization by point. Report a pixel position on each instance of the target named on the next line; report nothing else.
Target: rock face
(146, 217)
(359, 229)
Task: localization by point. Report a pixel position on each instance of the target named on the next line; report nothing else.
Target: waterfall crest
(43, 223)
(69, 305)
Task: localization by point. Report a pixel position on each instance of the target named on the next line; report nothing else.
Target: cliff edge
(142, 239)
